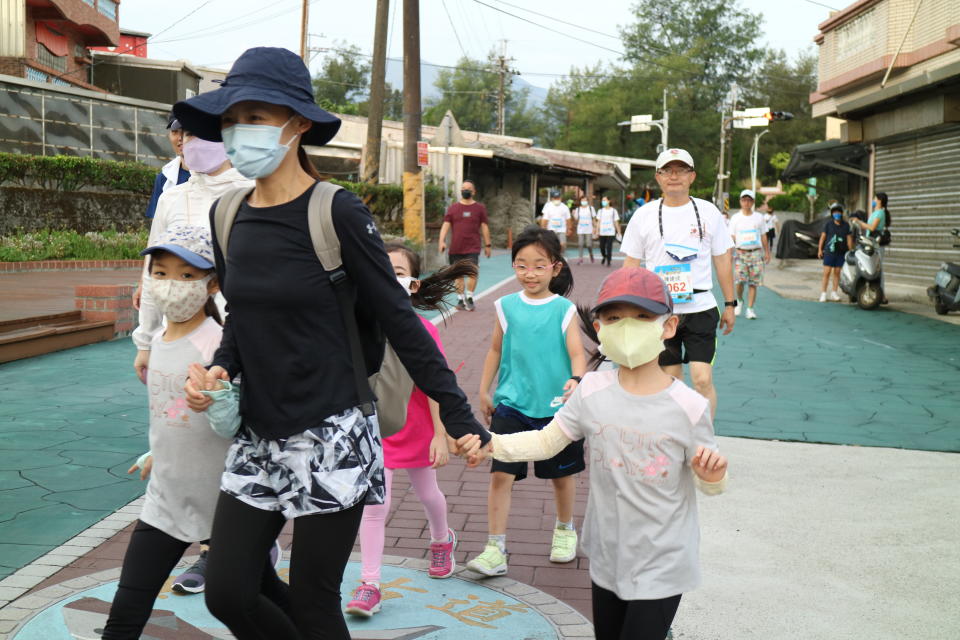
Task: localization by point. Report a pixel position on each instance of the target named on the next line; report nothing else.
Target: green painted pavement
(833, 373)
(71, 423)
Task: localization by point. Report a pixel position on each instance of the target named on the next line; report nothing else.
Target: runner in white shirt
(556, 217)
(749, 232)
(608, 228)
(683, 239)
(585, 215)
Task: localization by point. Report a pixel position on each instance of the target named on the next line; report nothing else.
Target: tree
(343, 82)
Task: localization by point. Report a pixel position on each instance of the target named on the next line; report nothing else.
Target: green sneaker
(564, 547)
(492, 562)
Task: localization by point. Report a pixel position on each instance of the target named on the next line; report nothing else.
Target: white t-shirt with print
(770, 219)
(606, 217)
(641, 530)
(642, 241)
(584, 217)
(747, 230)
(556, 216)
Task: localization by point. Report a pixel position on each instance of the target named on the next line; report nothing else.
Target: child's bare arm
(578, 359)
(439, 454)
(490, 367)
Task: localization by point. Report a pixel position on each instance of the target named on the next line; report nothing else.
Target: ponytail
(882, 199)
(586, 323)
(562, 283)
(306, 165)
(434, 289)
(210, 308)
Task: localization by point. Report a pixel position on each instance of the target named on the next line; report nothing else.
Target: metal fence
(42, 119)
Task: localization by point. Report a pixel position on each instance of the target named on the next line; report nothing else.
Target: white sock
(470, 295)
(499, 540)
(373, 584)
(564, 525)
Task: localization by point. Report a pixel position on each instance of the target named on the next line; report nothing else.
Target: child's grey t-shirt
(188, 456)
(641, 530)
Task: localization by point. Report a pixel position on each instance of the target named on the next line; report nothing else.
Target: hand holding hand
(709, 465)
(482, 454)
(438, 451)
(201, 379)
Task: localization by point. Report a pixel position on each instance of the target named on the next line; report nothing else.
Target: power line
(820, 4)
(462, 50)
(176, 22)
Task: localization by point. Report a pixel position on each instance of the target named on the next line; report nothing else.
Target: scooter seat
(953, 268)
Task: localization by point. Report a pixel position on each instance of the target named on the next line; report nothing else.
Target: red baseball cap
(636, 286)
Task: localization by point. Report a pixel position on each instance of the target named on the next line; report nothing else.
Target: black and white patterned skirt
(328, 468)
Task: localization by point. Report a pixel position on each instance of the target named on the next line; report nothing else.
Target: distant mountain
(429, 73)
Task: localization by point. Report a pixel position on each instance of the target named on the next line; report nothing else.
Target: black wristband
(730, 303)
(577, 378)
(488, 246)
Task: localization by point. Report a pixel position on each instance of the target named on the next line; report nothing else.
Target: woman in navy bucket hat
(305, 451)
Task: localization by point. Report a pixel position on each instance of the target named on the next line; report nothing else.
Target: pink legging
(374, 522)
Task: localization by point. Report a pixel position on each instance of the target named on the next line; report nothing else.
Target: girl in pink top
(420, 447)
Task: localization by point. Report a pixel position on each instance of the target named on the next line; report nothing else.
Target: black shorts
(695, 341)
(469, 257)
(508, 420)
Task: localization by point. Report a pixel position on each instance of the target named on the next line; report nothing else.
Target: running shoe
(737, 310)
(564, 547)
(276, 554)
(823, 296)
(365, 602)
(492, 562)
(470, 306)
(442, 562)
(751, 314)
(835, 296)
(462, 304)
(193, 580)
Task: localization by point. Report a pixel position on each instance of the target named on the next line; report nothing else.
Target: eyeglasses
(540, 269)
(675, 172)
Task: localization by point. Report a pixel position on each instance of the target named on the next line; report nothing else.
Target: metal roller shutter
(921, 177)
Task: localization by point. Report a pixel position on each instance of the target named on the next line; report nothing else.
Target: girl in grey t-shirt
(651, 443)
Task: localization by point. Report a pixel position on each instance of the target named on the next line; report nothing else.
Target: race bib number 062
(679, 281)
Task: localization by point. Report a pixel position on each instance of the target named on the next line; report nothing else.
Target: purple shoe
(276, 554)
(193, 580)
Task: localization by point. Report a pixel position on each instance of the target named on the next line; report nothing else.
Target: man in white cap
(683, 239)
(749, 232)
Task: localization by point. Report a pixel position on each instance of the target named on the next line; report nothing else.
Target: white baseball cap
(748, 193)
(674, 154)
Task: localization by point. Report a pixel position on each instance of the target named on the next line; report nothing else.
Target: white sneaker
(737, 310)
(835, 296)
(751, 314)
(823, 296)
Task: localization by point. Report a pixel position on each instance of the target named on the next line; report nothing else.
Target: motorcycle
(945, 293)
(860, 274)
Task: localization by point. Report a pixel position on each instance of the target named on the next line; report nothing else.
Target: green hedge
(71, 245)
(72, 173)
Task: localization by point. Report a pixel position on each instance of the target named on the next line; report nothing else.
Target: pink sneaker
(442, 562)
(366, 601)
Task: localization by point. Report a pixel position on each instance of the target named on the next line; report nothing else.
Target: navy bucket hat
(266, 74)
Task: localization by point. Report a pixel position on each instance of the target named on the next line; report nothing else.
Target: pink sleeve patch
(692, 403)
(596, 381)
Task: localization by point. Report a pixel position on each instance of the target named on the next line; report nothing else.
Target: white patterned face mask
(179, 300)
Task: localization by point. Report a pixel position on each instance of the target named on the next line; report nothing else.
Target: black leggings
(616, 619)
(321, 548)
(606, 249)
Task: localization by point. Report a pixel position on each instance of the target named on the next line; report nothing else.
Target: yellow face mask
(631, 342)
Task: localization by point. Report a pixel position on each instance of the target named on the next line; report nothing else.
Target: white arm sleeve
(711, 488)
(530, 445)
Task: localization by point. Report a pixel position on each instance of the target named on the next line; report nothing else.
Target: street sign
(423, 155)
(754, 117)
(638, 123)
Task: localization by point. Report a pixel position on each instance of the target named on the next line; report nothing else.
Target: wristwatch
(730, 303)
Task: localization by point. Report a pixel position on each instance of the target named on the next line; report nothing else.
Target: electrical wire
(462, 50)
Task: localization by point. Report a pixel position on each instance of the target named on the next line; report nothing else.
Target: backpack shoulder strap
(225, 213)
(327, 246)
(320, 221)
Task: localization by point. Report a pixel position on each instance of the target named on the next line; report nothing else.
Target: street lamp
(643, 122)
(753, 158)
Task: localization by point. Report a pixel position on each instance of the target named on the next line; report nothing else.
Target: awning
(824, 158)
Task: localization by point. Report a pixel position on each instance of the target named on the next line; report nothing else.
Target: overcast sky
(217, 31)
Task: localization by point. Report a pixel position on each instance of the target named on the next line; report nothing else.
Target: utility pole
(413, 219)
(503, 71)
(371, 153)
(304, 20)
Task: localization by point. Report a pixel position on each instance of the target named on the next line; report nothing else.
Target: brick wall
(108, 302)
(11, 67)
(68, 265)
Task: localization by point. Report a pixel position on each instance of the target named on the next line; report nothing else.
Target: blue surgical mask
(255, 150)
(838, 216)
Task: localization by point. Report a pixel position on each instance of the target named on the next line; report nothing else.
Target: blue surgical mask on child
(255, 150)
(631, 342)
(838, 216)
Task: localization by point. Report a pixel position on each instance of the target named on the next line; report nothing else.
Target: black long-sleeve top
(284, 331)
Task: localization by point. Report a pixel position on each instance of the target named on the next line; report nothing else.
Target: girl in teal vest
(536, 349)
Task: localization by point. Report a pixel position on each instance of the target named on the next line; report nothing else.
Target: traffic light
(778, 115)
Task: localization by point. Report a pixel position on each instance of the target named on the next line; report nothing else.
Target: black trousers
(321, 548)
(616, 619)
(606, 249)
(150, 557)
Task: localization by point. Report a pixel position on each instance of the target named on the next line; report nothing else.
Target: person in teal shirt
(875, 225)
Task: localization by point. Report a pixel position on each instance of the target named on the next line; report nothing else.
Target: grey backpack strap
(223, 216)
(320, 221)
